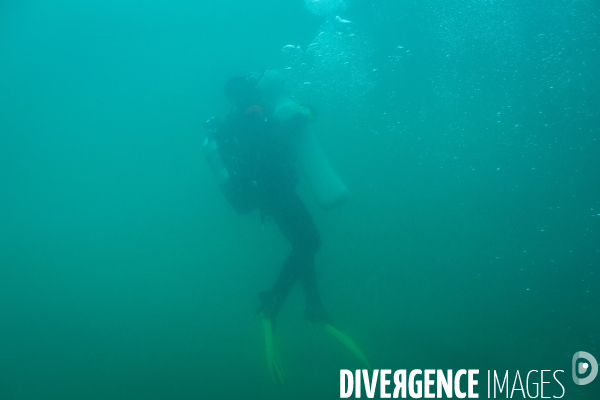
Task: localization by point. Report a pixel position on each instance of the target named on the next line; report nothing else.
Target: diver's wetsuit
(296, 224)
(262, 155)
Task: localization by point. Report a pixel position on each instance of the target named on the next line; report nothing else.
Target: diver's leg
(297, 226)
(314, 307)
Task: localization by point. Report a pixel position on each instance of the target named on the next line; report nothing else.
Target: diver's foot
(269, 305)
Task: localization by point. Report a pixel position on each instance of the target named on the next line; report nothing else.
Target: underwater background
(468, 134)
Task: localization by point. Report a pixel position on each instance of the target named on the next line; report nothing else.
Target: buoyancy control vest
(251, 155)
(254, 156)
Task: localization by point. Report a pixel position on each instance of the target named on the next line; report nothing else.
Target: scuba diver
(255, 153)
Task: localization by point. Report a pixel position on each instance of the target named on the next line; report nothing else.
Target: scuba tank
(327, 187)
(211, 151)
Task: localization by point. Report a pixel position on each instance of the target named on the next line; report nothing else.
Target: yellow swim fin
(273, 362)
(348, 342)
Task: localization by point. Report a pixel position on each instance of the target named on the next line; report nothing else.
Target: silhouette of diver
(256, 152)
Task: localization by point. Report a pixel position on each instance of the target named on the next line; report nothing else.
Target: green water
(467, 133)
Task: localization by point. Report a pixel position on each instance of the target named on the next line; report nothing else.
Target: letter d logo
(583, 367)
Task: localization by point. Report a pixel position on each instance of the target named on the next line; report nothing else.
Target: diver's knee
(313, 245)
